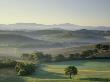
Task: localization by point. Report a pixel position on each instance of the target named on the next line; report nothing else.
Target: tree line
(27, 68)
(40, 57)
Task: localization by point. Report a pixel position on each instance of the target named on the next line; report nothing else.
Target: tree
(59, 57)
(106, 47)
(71, 70)
(24, 68)
(8, 63)
(25, 56)
(99, 46)
(87, 53)
(103, 47)
(73, 56)
(47, 58)
(38, 56)
(95, 51)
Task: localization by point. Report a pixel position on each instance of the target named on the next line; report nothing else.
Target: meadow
(95, 70)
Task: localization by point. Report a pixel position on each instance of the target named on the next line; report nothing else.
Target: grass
(89, 71)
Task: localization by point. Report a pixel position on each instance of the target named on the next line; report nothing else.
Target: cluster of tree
(37, 56)
(40, 57)
(102, 47)
(7, 63)
(88, 53)
(59, 57)
(23, 69)
(93, 52)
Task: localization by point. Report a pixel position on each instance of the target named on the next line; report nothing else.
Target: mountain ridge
(35, 26)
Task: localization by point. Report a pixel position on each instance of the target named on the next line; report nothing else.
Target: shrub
(7, 63)
(59, 57)
(73, 56)
(24, 68)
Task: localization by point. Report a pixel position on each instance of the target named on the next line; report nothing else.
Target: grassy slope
(87, 68)
(89, 71)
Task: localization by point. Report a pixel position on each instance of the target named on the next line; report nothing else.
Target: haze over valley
(32, 37)
(54, 40)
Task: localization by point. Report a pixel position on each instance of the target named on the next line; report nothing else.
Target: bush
(24, 68)
(59, 57)
(102, 46)
(47, 58)
(7, 63)
(106, 47)
(25, 56)
(74, 56)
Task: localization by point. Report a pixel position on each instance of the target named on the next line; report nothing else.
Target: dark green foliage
(7, 63)
(25, 56)
(47, 58)
(59, 57)
(99, 46)
(102, 46)
(38, 56)
(106, 47)
(95, 51)
(71, 56)
(92, 53)
(24, 68)
(71, 70)
(74, 56)
(87, 53)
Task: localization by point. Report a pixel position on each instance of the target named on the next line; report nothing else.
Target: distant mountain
(55, 29)
(103, 28)
(34, 26)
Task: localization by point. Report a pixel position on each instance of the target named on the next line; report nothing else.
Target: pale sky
(80, 12)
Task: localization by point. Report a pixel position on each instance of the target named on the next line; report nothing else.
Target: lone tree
(71, 70)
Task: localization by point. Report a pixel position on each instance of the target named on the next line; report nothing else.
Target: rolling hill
(19, 40)
(53, 38)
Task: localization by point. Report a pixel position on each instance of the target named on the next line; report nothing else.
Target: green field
(89, 71)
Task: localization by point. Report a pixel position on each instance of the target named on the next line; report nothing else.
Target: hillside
(18, 40)
(53, 38)
(35, 26)
(67, 51)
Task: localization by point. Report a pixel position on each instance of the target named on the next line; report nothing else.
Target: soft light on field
(88, 71)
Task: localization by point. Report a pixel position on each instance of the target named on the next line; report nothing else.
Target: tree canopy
(71, 70)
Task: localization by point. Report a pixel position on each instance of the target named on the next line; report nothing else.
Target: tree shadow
(11, 79)
(96, 79)
(43, 74)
